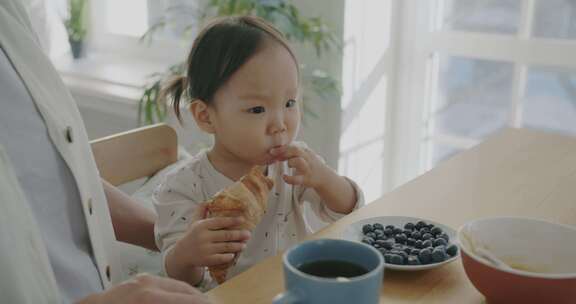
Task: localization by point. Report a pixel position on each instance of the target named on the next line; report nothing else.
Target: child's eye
(290, 103)
(257, 110)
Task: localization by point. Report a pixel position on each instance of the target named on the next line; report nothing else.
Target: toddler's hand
(310, 171)
(211, 241)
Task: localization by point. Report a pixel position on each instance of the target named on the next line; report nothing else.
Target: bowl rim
(473, 256)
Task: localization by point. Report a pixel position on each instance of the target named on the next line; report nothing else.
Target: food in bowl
(539, 259)
(416, 243)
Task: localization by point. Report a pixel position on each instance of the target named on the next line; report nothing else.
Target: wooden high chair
(137, 153)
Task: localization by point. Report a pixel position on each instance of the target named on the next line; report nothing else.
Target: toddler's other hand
(310, 171)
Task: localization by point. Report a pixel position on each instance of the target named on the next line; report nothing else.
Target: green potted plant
(76, 26)
(311, 32)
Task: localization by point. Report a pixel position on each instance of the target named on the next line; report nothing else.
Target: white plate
(354, 233)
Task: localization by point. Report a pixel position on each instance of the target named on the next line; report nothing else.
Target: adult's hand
(144, 289)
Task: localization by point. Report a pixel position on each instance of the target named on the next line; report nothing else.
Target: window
(117, 26)
(496, 17)
(426, 80)
(498, 64)
(550, 99)
(116, 23)
(471, 102)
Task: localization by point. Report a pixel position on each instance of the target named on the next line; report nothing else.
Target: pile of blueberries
(417, 244)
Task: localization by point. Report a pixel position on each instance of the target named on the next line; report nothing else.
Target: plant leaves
(312, 32)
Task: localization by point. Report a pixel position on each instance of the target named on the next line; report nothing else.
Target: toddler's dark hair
(219, 50)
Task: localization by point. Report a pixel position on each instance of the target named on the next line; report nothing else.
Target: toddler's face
(258, 108)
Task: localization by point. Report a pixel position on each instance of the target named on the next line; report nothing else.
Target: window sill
(114, 79)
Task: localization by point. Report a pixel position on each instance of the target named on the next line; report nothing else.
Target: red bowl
(542, 256)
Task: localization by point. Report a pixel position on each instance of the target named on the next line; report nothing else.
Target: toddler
(242, 86)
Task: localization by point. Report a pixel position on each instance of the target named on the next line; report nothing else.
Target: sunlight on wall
(127, 17)
(364, 93)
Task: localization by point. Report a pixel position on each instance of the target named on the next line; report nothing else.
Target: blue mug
(332, 271)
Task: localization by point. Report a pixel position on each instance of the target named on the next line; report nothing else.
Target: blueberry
(398, 247)
(396, 251)
(414, 251)
(418, 244)
(397, 230)
(426, 236)
(416, 235)
(388, 232)
(408, 250)
(367, 228)
(440, 242)
(427, 243)
(430, 226)
(368, 240)
(403, 254)
(371, 235)
(425, 256)
(378, 226)
(424, 230)
(439, 254)
(388, 244)
(390, 227)
(436, 230)
(445, 236)
(401, 238)
(452, 250)
(409, 226)
(379, 242)
(410, 242)
(376, 245)
(396, 259)
(379, 233)
(388, 258)
(413, 260)
(420, 224)
(407, 232)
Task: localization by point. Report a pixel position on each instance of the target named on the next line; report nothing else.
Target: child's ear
(202, 115)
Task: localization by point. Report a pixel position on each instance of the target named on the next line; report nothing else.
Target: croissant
(247, 198)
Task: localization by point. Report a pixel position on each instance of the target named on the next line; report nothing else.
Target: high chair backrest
(137, 153)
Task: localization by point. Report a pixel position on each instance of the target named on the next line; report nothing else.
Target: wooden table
(516, 172)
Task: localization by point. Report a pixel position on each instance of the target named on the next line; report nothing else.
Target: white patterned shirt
(283, 224)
